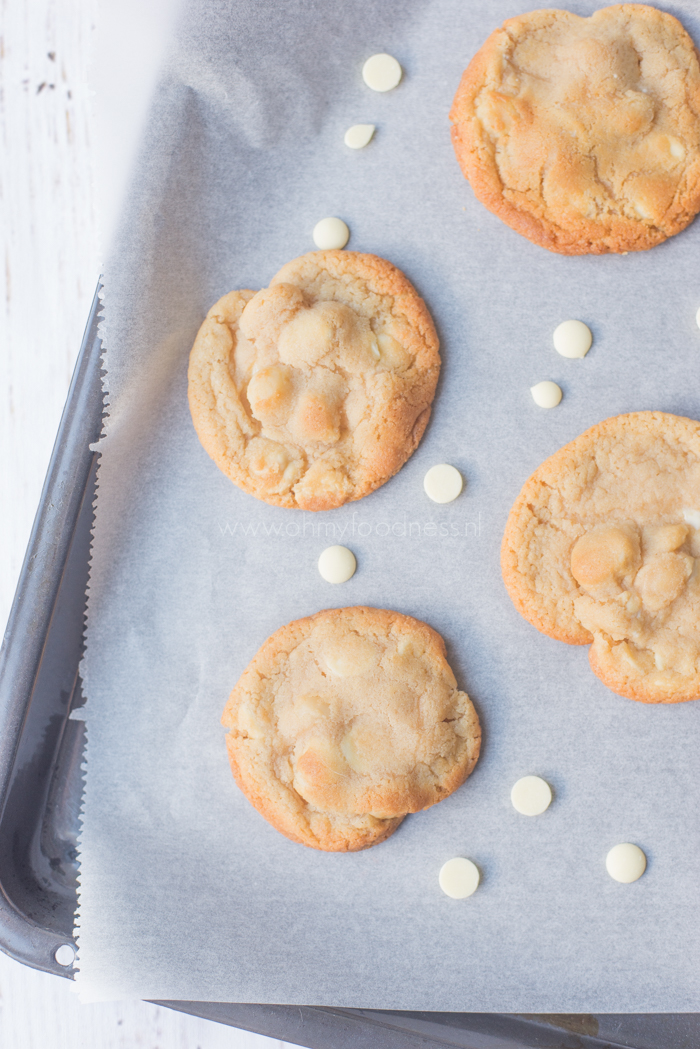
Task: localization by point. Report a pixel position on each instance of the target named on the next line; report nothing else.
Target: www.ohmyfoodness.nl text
(312, 528)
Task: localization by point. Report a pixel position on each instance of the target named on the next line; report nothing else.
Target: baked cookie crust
(315, 391)
(346, 721)
(583, 134)
(602, 546)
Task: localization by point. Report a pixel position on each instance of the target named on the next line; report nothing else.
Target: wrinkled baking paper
(186, 892)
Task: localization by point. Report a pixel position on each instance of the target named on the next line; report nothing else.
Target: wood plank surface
(49, 272)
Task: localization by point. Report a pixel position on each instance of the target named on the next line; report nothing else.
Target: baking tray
(41, 751)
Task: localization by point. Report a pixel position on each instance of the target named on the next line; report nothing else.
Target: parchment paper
(186, 892)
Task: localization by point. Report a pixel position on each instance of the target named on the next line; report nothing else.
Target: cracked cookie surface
(315, 391)
(583, 134)
(602, 546)
(346, 721)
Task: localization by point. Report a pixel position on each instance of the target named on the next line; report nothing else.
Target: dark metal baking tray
(41, 752)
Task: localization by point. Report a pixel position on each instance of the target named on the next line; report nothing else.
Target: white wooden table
(50, 267)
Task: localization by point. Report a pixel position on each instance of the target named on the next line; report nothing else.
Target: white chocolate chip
(626, 863)
(330, 233)
(381, 72)
(676, 148)
(459, 878)
(357, 136)
(692, 517)
(546, 394)
(351, 657)
(643, 212)
(442, 483)
(572, 339)
(531, 796)
(337, 564)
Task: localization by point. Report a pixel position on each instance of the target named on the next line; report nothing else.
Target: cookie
(601, 547)
(346, 721)
(583, 134)
(315, 391)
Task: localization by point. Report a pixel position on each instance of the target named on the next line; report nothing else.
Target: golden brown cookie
(601, 546)
(346, 721)
(316, 390)
(583, 134)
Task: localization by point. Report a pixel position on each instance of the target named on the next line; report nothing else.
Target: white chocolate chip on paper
(459, 878)
(442, 483)
(357, 136)
(381, 72)
(572, 339)
(331, 233)
(626, 863)
(337, 564)
(546, 394)
(531, 795)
